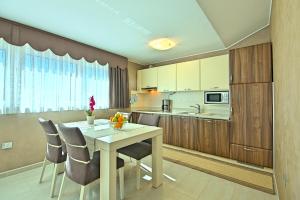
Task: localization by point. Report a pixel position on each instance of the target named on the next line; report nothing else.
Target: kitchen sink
(191, 113)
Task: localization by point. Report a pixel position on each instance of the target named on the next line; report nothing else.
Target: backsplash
(181, 101)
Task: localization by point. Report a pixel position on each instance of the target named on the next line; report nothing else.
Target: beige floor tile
(188, 184)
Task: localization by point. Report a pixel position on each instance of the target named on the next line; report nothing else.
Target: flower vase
(90, 119)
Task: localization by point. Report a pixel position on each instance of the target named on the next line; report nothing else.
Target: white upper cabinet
(188, 76)
(149, 78)
(215, 73)
(139, 81)
(166, 78)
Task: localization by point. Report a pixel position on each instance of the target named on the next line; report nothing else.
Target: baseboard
(275, 186)
(19, 170)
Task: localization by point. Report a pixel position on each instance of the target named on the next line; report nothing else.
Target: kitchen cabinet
(166, 78)
(139, 81)
(251, 64)
(215, 73)
(252, 115)
(251, 127)
(251, 155)
(188, 76)
(166, 125)
(149, 78)
(208, 136)
(204, 135)
(214, 137)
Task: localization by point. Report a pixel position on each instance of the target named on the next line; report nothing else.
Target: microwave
(216, 97)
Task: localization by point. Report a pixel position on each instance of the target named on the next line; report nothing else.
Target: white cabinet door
(188, 76)
(139, 81)
(166, 78)
(215, 73)
(149, 77)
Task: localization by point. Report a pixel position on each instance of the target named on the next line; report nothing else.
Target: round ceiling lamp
(162, 44)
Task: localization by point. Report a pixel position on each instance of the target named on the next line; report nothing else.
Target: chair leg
(61, 186)
(138, 174)
(121, 180)
(43, 169)
(82, 192)
(53, 180)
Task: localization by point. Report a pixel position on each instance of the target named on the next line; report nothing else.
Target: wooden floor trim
(179, 158)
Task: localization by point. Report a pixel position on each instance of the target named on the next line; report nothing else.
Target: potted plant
(90, 117)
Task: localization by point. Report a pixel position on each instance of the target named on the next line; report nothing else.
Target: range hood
(149, 88)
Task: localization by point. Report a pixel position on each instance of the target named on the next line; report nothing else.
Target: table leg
(108, 173)
(157, 168)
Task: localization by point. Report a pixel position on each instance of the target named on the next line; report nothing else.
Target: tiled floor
(189, 184)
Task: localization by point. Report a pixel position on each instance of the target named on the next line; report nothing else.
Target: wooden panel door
(252, 115)
(221, 129)
(184, 132)
(251, 64)
(175, 134)
(165, 124)
(166, 78)
(251, 155)
(188, 76)
(208, 138)
(194, 133)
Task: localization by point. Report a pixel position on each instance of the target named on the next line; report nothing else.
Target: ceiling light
(162, 44)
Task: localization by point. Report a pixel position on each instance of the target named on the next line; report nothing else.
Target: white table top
(105, 134)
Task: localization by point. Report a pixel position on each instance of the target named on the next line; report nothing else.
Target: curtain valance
(19, 34)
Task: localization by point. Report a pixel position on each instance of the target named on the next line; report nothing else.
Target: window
(33, 81)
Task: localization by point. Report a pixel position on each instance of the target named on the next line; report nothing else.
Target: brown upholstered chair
(56, 150)
(80, 168)
(140, 150)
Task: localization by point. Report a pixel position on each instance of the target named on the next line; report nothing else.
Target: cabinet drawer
(251, 155)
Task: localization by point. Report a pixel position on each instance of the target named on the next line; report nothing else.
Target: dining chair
(80, 168)
(140, 150)
(56, 150)
(127, 115)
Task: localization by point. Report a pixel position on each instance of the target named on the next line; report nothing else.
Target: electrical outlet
(7, 145)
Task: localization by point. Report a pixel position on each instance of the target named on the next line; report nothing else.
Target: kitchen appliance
(166, 105)
(216, 97)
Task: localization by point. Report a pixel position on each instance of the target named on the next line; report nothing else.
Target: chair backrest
(148, 119)
(75, 142)
(127, 115)
(78, 159)
(54, 144)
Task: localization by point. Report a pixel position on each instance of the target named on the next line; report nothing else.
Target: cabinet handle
(247, 149)
(231, 78)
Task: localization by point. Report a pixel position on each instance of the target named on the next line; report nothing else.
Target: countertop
(204, 115)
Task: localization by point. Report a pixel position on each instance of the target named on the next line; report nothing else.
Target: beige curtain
(118, 88)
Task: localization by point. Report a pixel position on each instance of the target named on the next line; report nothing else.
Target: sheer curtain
(34, 81)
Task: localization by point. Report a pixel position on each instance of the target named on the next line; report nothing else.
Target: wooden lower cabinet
(165, 124)
(256, 156)
(214, 136)
(205, 135)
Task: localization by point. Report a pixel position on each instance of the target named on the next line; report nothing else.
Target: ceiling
(126, 27)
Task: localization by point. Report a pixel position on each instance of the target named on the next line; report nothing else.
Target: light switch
(7, 145)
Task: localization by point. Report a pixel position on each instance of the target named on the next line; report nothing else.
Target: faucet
(197, 107)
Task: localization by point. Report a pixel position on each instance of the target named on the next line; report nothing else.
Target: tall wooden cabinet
(251, 100)
(251, 64)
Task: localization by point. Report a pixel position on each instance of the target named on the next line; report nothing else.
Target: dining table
(102, 136)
